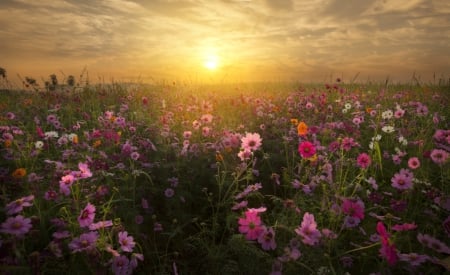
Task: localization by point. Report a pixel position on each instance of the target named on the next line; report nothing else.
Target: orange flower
(8, 143)
(302, 129)
(97, 143)
(19, 173)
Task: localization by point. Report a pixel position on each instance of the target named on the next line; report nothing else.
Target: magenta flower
(267, 239)
(86, 241)
(87, 215)
(251, 142)
(17, 225)
(308, 230)
(363, 160)
(306, 149)
(251, 225)
(353, 208)
(17, 206)
(126, 242)
(388, 250)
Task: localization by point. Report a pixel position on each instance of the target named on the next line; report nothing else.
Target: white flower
(387, 114)
(387, 129)
(402, 141)
(51, 134)
(38, 144)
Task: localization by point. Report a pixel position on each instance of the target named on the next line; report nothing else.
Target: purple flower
(121, 265)
(17, 225)
(86, 241)
(126, 242)
(87, 215)
(402, 181)
(413, 259)
(433, 243)
(16, 206)
(169, 192)
(267, 239)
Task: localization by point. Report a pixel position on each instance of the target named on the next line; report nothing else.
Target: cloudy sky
(305, 40)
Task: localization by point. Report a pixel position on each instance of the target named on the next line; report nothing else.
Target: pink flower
(363, 160)
(17, 225)
(306, 149)
(100, 224)
(308, 230)
(251, 142)
(126, 242)
(85, 172)
(65, 183)
(251, 225)
(413, 163)
(439, 156)
(16, 206)
(353, 208)
(267, 239)
(87, 215)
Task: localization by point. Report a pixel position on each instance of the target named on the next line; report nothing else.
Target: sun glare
(211, 62)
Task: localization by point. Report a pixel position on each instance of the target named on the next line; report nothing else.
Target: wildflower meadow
(175, 178)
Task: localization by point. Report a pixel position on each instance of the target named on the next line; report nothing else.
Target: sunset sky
(227, 40)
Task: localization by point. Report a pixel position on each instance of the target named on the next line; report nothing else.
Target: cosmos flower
(126, 242)
(17, 225)
(267, 239)
(17, 206)
(87, 215)
(306, 149)
(363, 160)
(308, 230)
(86, 241)
(251, 141)
(251, 224)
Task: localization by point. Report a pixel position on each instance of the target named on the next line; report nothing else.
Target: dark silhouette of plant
(2, 72)
(71, 80)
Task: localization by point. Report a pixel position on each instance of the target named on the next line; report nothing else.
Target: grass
(170, 165)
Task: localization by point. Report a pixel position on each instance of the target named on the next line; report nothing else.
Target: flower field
(248, 179)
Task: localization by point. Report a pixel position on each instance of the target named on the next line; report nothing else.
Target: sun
(211, 62)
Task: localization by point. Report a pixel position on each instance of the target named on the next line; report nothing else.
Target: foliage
(168, 179)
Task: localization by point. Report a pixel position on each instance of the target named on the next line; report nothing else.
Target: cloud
(168, 37)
